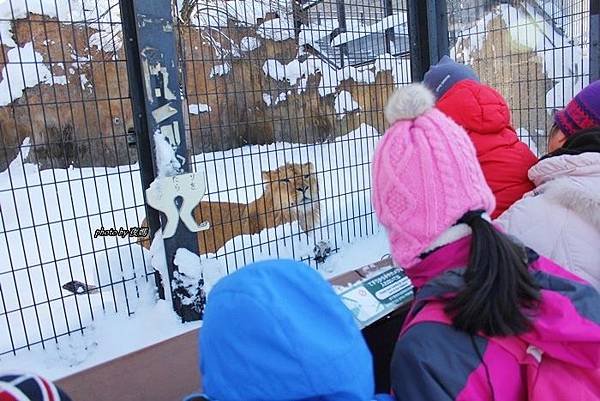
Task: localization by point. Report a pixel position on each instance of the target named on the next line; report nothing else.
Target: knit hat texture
(582, 112)
(425, 174)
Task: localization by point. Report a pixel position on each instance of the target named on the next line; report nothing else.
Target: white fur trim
(449, 236)
(582, 197)
(453, 234)
(409, 102)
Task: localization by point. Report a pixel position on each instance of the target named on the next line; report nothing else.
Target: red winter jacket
(504, 159)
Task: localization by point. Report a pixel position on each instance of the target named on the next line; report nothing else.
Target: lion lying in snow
(291, 194)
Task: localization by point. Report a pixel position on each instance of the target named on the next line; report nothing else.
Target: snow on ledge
(386, 23)
(249, 43)
(25, 69)
(199, 108)
(277, 29)
(219, 70)
(344, 103)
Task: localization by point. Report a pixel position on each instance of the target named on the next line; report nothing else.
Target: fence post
(153, 72)
(428, 33)
(388, 9)
(594, 40)
(341, 16)
(136, 93)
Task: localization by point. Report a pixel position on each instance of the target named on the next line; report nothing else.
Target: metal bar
(136, 92)
(438, 28)
(417, 33)
(388, 9)
(162, 110)
(428, 34)
(594, 40)
(341, 15)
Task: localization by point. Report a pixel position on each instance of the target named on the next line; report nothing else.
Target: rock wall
(85, 121)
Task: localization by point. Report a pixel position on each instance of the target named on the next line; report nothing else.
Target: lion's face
(292, 185)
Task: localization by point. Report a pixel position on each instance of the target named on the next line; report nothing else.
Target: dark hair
(553, 130)
(497, 284)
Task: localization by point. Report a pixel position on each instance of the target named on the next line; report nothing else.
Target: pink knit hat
(425, 174)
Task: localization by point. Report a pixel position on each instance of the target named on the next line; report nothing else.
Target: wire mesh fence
(535, 52)
(281, 118)
(68, 170)
(283, 104)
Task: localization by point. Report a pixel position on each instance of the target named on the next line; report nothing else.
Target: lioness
(291, 194)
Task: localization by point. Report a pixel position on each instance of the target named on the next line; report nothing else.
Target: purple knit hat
(582, 112)
(425, 174)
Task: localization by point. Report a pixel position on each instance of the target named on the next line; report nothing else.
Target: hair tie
(469, 217)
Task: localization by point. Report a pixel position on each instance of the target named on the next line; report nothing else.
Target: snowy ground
(58, 212)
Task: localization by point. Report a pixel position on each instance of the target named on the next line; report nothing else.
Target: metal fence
(68, 170)
(305, 87)
(281, 107)
(536, 53)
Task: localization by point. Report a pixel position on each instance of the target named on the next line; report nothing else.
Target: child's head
(276, 330)
(445, 74)
(426, 179)
(582, 112)
(29, 387)
(425, 174)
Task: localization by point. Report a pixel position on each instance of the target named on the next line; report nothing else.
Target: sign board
(376, 296)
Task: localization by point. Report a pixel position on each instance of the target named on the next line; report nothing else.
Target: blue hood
(276, 331)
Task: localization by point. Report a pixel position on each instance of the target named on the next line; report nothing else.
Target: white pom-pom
(409, 102)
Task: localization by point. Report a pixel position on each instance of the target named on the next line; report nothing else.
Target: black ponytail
(498, 286)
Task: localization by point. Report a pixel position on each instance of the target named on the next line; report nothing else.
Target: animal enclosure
(283, 107)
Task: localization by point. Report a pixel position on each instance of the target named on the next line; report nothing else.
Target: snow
(84, 81)
(359, 252)
(270, 100)
(167, 163)
(565, 63)
(277, 29)
(51, 242)
(199, 108)
(249, 43)
(296, 73)
(343, 173)
(279, 72)
(399, 67)
(344, 103)
(101, 15)
(391, 21)
(216, 13)
(25, 69)
(196, 268)
(219, 70)
(108, 337)
(58, 80)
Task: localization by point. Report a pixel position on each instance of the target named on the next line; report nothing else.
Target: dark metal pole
(388, 9)
(428, 34)
(160, 114)
(136, 93)
(341, 14)
(438, 15)
(594, 40)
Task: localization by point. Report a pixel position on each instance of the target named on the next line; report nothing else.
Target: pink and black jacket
(434, 362)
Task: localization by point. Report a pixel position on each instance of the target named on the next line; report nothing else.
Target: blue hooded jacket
(276, 331)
